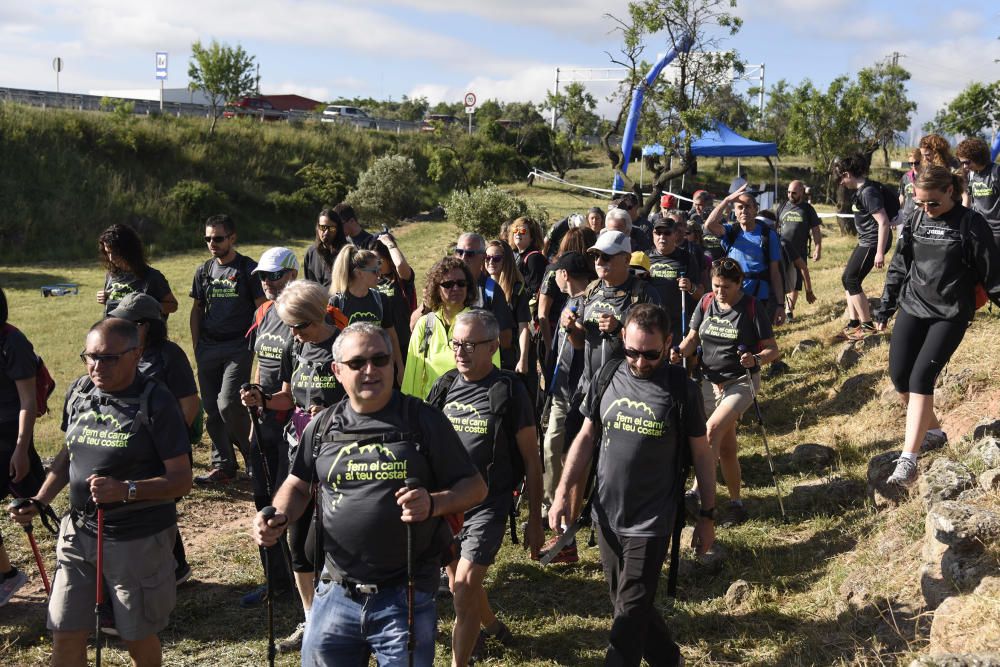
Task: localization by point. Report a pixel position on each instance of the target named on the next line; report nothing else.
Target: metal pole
(470, 122)
(761, 102)
(161, 95)
(555, 92)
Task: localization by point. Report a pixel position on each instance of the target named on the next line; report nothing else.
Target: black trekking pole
(684, 361)
(411, 644)
(562, 347)
(100, 585)
(268, 514)
(763, 434)
(17, 504)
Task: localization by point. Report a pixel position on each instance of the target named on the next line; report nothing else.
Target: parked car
(434, 120)
(253, 107)
(336, 113)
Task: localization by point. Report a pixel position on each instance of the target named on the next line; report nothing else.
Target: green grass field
(561, 615)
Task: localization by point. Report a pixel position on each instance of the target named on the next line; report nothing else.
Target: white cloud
(962, 21)
(320, 93)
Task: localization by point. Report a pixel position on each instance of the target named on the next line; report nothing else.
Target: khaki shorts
(735, 394)
(138, 575)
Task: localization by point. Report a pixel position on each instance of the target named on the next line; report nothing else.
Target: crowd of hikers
(392, 435)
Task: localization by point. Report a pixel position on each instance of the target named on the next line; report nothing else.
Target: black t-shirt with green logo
(637, 464)
(867, 201)
(664, 272)
(167, 363)
(723, 331)
(268, 341)
(307, 368)
(119, 285)
(17, 362)
(372, 307)
(468, 409)
(615, 301)
(984, 187)
(228, 294)
(362, 531)
(104, 438)
(796, 222)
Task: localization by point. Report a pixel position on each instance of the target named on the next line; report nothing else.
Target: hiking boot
(479, 649)
(736, 514)
(846, 333)
(293, 642)
(905, 473)
(11, 584)
(933, 441)
(789, 316)
(567, 555)
(182, 573)
(216, 476)
(444, 588)
(258, 596)
(861, 333)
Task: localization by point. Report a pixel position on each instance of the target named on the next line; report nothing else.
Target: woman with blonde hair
(354, 292)
(308, 386)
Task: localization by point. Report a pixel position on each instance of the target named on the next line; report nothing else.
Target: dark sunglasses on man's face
(601, 257)
(216, 239)
(648, 355)
(450, 284)
(379, 361)
(273, 276)
(461, 252)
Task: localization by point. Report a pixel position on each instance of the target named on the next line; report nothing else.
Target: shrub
(388, 191)
(291, 207)
(485, 209)
(195, 199)
(321, 183)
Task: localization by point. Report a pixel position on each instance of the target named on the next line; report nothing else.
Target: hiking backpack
(890, 199)
(83, 390)
(44, 383)
(499, 394)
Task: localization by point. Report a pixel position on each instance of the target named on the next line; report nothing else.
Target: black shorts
(30, 483)
(919, 350)
(482, 532)
(859, 265)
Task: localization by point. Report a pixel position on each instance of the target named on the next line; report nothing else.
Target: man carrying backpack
(757, 249)
(360, 452)
(798, 223)
(644, 422)
(494, 417)
(225, 294)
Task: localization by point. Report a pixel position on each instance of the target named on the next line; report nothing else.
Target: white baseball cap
(276, 259)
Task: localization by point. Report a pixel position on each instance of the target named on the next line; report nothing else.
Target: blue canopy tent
(722, 141)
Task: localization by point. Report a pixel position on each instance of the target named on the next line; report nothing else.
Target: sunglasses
(216, 239)
(726, 263)
(273, 276)
(964, 163)
(460, 252)
(368, 269)
(466, 346)
(300, 326)
(451, 284)
(519, 230)
(648, 355)
(326, 228)
(601, 256)
(926, 204)
(494, 259)
(107, 359)
(379, 361)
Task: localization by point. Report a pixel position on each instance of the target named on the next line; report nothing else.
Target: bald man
(797, 221)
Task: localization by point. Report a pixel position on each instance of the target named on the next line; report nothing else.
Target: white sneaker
(293, 642)
(905, 473)
(10, 585)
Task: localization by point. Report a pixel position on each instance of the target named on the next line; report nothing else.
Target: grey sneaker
(293, 642)
(10, 585)
(905, 473)
(933, 441)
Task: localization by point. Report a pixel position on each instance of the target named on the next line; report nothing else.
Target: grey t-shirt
(984, 186)
(796, 222)
(167, 363)
(268, 341)
(616, 301)
(723, 331)
(228, 295)
(664, 272)
(103, 438)
(372, 307)
(19, 362)
(119, 285)
(867, 201)
(467, 407)
(637, 464)
(307, 368)
(362, 531)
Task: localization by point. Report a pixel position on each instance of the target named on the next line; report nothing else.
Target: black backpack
(500, 394)
(890, 198)
(677, 385)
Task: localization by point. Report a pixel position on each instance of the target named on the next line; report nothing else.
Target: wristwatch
(707, 514)
(131, 491)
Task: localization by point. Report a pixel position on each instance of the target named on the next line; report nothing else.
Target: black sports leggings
(859, 265)
(920, 348)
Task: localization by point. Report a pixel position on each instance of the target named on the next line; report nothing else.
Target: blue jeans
(344, 630)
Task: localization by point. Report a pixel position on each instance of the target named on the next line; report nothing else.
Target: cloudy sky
(507, 49)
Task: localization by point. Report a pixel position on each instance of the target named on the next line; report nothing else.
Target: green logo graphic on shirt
(385, 468)
(598, 308)
(223, 288)
(663, 270)
(472, 422)
(270, 351)
(387, 288)
(981, 189)
(363, 316)
(118, 291)
(718, 327)
(106, 431)
(637, 422)
(792, 216)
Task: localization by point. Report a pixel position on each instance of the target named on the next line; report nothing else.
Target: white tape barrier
(600, 192)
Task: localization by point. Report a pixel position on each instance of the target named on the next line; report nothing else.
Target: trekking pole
(684, 361)
(411, 644)
(562, 346)
(763, 434)
(268, 514)
(100, 584)
(20, 503)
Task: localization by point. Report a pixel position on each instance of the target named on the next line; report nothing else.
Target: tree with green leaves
(774, 125)
(681, 104)
(819, 123)
(223, 73)
(974, 109)
(879, 105)
(575, 118)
